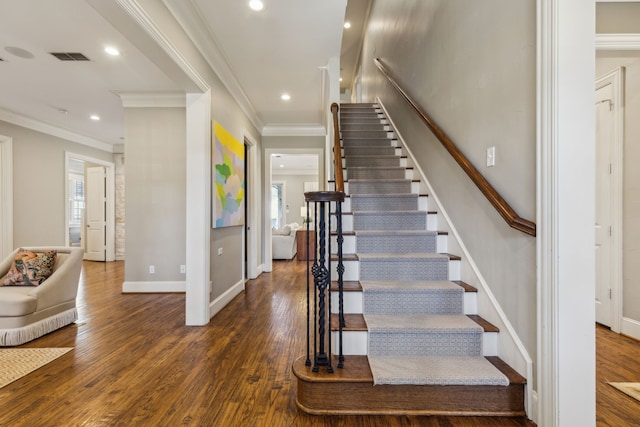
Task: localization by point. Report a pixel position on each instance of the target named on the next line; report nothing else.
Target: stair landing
(350, 391)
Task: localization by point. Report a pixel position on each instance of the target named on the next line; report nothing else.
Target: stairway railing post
(321, 271)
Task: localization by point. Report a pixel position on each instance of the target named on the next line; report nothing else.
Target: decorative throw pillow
(30, 268)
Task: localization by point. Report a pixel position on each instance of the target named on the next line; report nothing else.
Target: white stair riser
(353, 302)
(353, 343)
(432, 221)
(356, 343)
(470, 303)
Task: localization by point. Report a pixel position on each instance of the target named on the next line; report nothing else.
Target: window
(76, 198)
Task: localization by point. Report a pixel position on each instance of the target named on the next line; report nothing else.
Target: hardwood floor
(134, 363)
(617, 360)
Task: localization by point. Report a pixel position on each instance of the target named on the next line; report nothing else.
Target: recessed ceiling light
(285, 97)
(256, 5)
(340, 78)
(281, 166)
(112, 51)
(94, 117)
(347, 24)
(19, 52)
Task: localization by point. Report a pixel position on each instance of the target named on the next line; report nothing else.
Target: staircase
(413, 342)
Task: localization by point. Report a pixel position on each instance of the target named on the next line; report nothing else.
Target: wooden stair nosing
(347, 286)
(351, 391)
(355, 257)
(356, 322)
(356, 286)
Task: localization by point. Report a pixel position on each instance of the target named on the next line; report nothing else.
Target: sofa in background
(28, 312)
(283, 241)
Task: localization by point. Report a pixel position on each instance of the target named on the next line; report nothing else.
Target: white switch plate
(183, 269)
(491, 156)
(220, 251)
(152, 269)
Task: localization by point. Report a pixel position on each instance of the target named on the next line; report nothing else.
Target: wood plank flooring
(134, 363)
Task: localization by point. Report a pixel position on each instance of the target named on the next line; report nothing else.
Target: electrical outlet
(220, 251)
(183, 269)
(152, 269)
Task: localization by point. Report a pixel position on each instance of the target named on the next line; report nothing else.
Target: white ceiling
(279, 49)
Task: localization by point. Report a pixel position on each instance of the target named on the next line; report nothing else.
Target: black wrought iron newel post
(321, 271)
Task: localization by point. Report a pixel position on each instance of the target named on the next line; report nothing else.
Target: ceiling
(279, 49)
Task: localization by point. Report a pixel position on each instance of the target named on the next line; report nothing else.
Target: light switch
(491, 156)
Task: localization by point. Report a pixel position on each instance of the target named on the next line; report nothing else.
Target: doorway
(294, 167)
(609, 138)
(90, 207)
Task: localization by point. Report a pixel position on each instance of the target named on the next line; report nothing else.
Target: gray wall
(471, 65)
(617, 18)
(156, 198)
(226, 269)
(39, 184)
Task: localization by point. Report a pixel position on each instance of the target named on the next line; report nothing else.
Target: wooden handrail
(337, 153)
(497, 201)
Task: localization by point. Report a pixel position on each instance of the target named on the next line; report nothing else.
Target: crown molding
(189, 18)
(153, 100)
(36, 125)
(617, 41)
(294, 130)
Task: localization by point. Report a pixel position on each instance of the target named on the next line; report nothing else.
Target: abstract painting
(228, 179)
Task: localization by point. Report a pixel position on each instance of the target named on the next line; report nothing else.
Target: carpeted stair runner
(417, 331)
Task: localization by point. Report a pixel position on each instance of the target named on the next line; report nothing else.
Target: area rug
(18, 362)
(630, 389)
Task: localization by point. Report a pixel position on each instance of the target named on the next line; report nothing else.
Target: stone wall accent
(120, 197)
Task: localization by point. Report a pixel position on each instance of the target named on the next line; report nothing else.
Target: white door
(603, 211)
(96, 215)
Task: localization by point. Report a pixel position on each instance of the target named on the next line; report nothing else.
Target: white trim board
(38, 126)
(153, 287)
(617, 41)
(630, 327)
(219, 303)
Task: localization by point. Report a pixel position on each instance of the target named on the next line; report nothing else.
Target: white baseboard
(153, 287)
(219, 303)
(260, 270)
(630, 327)
(533, 416)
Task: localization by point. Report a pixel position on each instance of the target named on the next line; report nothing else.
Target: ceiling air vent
(69, 56)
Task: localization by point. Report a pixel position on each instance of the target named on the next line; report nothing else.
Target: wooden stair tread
(350, 390)
(357, 369)
(347, 286)
(355, 286)
(353, 322)
(467, 287)
(486, 325)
